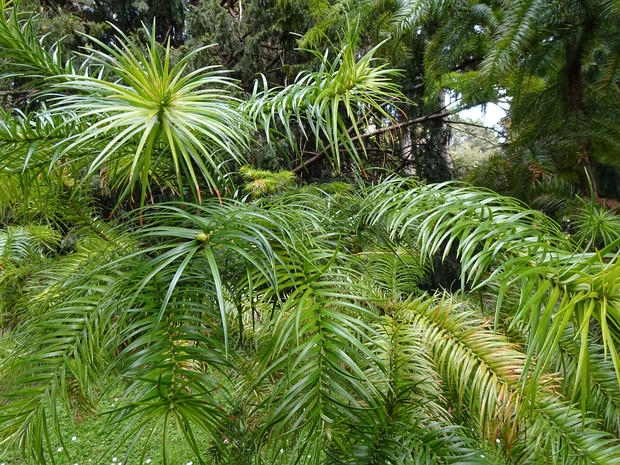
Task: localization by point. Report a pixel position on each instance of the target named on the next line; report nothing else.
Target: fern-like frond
(319, 364)
(413, 424)
(23, 52)
(604, 399)
(499, 240)
(333, 105)
(488, 229)
(396, 272)
(65, 366)
(559, 435)
(477, 365)
(517, 31)
(20, 243)
(175, 365)
(485, 371)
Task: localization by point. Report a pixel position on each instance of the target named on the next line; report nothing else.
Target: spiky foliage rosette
(151, 106)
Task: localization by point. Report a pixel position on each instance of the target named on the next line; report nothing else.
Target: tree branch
(482, 126)
(321, 154)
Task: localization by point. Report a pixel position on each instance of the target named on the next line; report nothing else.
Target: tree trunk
(577, 105)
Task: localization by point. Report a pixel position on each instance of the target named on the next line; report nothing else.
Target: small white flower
(116, 399)
(190, 463)
(114, 459)
(74, 438)
(497, 440)
(481, 455)
(281, 451)
(225, 441)
(112, 405)
(60, 449)
(148, 460)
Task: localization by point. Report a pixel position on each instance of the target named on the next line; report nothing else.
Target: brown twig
(321, 154)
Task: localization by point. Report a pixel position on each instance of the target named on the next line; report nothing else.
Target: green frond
(603, 399)
(397, 272)
(607, 85)
(23, 52)
(477, 365)
(509, 234)
(65, 365)
(319, 364)
(480, 365)
(144, 102)
(553, 196)
(17, 127)
(334, 105)
(29, 142)
(21, 243)
(174, 363)
(517, 31)
(412, 425)
(31, 184)
(561, 435)
(412, 386)
(419, 443)
(595, 226)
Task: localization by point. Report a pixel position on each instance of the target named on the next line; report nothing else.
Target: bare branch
(321, 154)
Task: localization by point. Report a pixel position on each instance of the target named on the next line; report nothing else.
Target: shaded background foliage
(558, 60)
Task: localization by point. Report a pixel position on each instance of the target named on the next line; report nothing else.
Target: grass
(89, 440)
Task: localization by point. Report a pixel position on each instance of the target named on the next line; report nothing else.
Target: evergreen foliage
(263, 321)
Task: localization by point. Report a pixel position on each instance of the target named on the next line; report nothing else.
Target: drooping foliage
(262, 321)
(267, 324)
(556, 62)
